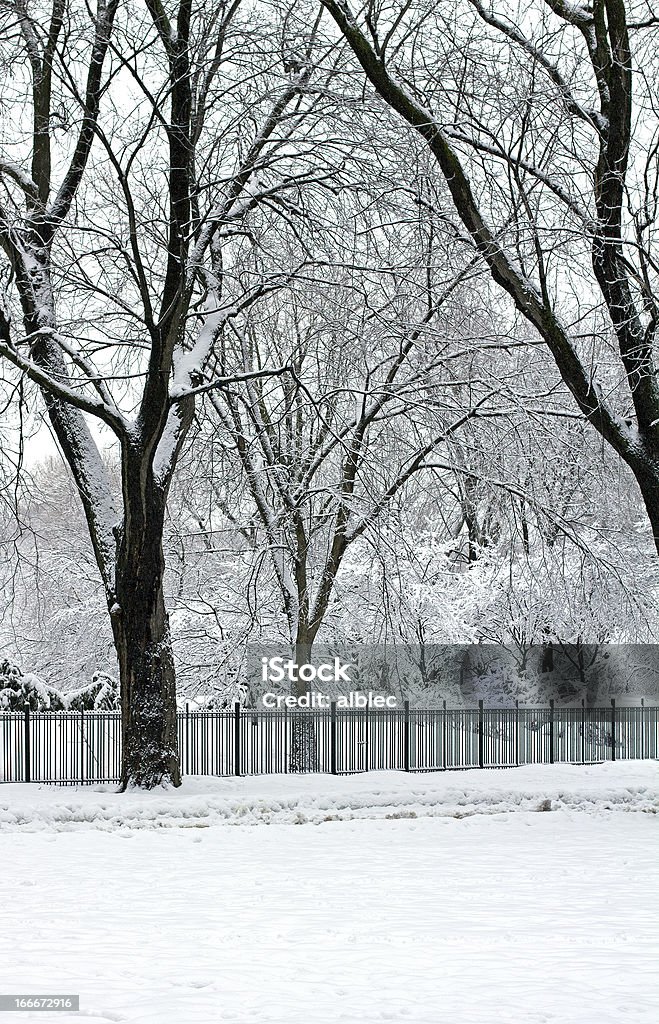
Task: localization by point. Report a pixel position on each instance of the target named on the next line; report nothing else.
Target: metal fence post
(551, 731)
(236, 738)
(481, 735)
(583, 731)
(517, 732)
(406, 737)
(333, 737)
(82, 746)
(187, 739)
(367, 754)
(613, 729)
(444, 735)
(643, 727)
(26, 744)
(285, 740)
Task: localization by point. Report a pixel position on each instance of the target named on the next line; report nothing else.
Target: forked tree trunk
(146, 666)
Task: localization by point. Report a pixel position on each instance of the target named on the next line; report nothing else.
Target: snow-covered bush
(102, 694)
(18, 689)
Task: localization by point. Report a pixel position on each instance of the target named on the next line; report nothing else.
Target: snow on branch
(236, 378)
(172, 437)
(573, 13)
(21, 177)
(242, 193)
(57, 385)
(189, 364)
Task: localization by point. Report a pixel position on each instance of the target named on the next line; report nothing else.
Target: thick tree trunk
(304, 742)
(303, 650)
(146, 666)
(547, 658)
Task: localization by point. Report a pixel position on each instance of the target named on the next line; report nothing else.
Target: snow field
(505, 917)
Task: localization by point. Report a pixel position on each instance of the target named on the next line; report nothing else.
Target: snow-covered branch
(22, 178)
(61, 386)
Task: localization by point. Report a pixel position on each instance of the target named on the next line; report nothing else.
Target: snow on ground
(299, 799)
(504, 917)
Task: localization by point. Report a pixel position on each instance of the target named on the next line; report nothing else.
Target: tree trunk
(146, 665)
(647, 477)
(547, 658)
(304, 742)
(303, 649)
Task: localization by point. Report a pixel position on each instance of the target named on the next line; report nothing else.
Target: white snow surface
(478, 910)
(302, 799)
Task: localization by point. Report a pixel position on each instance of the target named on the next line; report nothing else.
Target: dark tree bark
(547, 658)
(142, 638)
(304, 756)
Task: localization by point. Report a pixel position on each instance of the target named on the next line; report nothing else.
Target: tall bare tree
(368, 396)
(542, 121)
(137, 141)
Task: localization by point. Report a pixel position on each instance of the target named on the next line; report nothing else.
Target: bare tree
(138, 140)
(366, 398)
(543, 123)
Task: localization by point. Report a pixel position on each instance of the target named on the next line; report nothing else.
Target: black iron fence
(85, 747)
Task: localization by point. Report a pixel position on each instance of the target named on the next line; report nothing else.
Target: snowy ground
(302, 799)
(425, 899)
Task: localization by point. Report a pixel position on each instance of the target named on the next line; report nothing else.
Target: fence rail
(85, 747)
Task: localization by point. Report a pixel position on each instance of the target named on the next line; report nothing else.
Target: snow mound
(203, 801)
